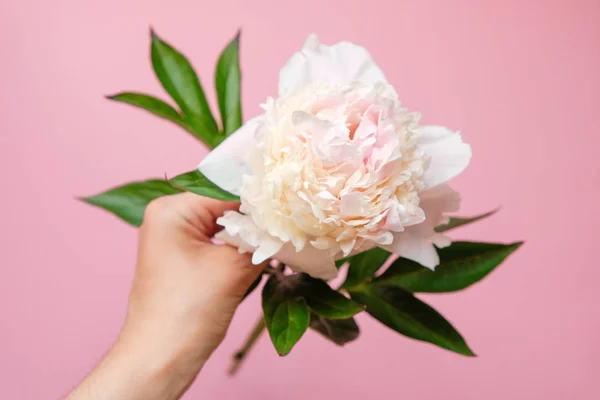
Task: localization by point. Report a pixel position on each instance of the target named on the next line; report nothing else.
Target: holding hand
(185, 292)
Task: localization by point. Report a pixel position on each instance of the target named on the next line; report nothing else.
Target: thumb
(201, 212)
(233, 270)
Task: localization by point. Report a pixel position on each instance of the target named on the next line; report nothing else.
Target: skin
(184, 294)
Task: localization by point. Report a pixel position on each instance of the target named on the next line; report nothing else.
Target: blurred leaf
(341, 262)
(152, 105)
(228, 83)
(323, 300)
(364, 265)
(195, 182)
(404, 313)
(129, 201)
(455, 222)
(287, 316)
(179, 79)
(339, 331)
(461, 265)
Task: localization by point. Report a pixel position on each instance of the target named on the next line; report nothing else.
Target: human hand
(185, 292)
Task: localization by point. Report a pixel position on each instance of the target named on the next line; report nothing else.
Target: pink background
(520, 79)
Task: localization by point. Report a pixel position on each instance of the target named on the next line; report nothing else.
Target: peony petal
(435, 203)
(416, 242)
(234, 241)
(414, 247)
(228, 162)
(269, 246)
(352, 205)
(237, 224)
(361, 246)
(317, 263)
(448, 154)
(312, 42)
(343, 62)
(240, 231)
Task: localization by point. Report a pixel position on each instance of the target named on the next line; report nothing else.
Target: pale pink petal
(448, 154)
(325, 200)
(234, 241)
(237, 224)
(352, 204)
(228, 162)
(366, 128)
(317, 263)
(394, 220)
(312, 42)
(346, 246)
(441, 241)
(231, 240)
(343, 62)
(414, 247)
(383, 238)
(416, 242)
(323, 242)
(269, 246)
(361, 246)
(240, 230)
(437, 201)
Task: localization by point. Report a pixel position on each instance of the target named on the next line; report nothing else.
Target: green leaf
(341, 262)
(179, 79)
(364, 265)
(196, 182)
(323, 300)
(129, 201)
(404, 313)
(461, 265)
(228, 83)
(287, 316)
(339, 331)
(455, 222)
(152, 105)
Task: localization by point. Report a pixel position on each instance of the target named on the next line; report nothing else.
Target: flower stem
(241, 354)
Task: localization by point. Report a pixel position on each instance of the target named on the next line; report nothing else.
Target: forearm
(131, 371)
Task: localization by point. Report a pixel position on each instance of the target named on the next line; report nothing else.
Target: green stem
(241, 354)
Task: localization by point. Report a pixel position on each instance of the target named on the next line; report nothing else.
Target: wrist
(159, 370)
(130, 372)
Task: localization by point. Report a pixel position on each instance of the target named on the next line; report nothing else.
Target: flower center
(336, 166)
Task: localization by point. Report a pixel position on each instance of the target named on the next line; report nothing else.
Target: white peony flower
(336, 166)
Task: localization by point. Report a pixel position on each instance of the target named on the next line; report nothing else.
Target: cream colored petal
(417, 241)
(227, 163)
(343, 62)
(241, 231)
(416, 248)
(448, 154)
(317, 263)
